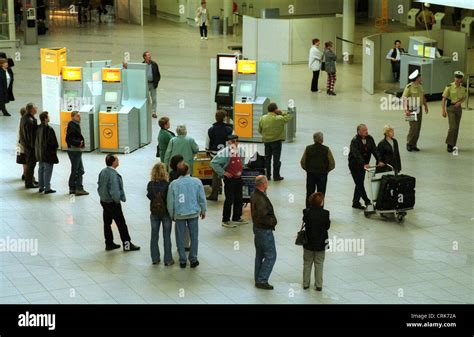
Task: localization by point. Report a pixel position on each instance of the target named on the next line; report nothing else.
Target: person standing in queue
(164, 136)
(314, 63)
(330, 67)
(228, 163)
(28, 127)
(153, 76)
(184, 145)
(413, 98)
(217, 136)
(111, 193)
(317, 223)
(75, 144)
(362, 148)
(202, 19)
(20, 151)
(46, 147)
(264, 222)
(388, 151)
(317, 161)
(272, 128)
(394, 55)
(453, 96)
(6, 86)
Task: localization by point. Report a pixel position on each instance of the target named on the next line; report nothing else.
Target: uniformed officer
(453, 96)
(413, 97)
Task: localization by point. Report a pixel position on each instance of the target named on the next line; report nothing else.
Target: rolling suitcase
(396, 192)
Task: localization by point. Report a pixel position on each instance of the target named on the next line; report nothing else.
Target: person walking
(317, 161)
(453, 97)
(413, 98)
(153, 76)
(394, 55)
(202, 19)
(183, 145)
(186, 202)
(75, 144)
(157, 192)
(362, 148)
(317, 223)
(388, 151)
(164, 136)
(217, 136)
(314, 63)
(228, 163)
(20, 151)
(264, 222)
(6, 86)
(28, 127)
(272, 128)
(46, 147)
(330, 67)
(111, 193)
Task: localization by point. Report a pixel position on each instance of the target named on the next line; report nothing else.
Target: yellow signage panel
(53, 60)
(243, 120)
(247, 67)
(111, 74)
(72, 73)
(108, 129)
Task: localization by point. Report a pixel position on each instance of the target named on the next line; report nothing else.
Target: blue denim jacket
(186, 198)
(110, 186)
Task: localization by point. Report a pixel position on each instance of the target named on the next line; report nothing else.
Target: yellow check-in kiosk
(118, 125)
(248, 108)
(72, 99)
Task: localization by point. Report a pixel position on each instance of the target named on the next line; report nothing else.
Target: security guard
(453, 96)
(413, 97)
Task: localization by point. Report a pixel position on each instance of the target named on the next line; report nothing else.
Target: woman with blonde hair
(388, 150)
(157, 191)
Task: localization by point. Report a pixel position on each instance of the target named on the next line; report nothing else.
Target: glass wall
(4, 21)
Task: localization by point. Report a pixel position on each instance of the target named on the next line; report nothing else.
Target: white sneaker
(202, 38)
(241, 221)
(205, 38)
(228, 224)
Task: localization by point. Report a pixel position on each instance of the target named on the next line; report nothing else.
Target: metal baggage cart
(372, 182)
(248, 182)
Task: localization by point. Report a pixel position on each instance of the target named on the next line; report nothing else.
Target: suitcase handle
(390, 166)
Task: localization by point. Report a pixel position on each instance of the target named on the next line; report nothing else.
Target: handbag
(301, 237)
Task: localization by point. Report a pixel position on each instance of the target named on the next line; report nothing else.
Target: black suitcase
(396, 192)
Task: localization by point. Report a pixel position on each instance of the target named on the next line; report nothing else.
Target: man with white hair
(183, 145)
(317, 161)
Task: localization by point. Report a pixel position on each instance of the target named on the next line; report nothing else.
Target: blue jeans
(180, 228)
(155, 235)
(77, 170)
(45, 171)
(265, 254)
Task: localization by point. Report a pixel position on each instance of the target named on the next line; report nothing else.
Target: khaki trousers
(309, 258)
(415, 128)
(454, 119)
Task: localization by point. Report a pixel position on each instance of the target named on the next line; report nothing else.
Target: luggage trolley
(373, 180)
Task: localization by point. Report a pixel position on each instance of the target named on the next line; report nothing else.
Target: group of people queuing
(323, 61)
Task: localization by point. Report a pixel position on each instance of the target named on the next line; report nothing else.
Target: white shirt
(315, 57)
(8, 78)
(389, 55)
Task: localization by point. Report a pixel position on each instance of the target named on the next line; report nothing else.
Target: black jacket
(46, 145)
(73, 135)
(218, 134)
(156, 73)
(6, 93)
(360, 154)
(263, 215)
(28, 127)
(389, 155)
(317, 224)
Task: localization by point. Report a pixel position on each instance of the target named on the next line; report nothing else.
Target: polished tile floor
(427, 259)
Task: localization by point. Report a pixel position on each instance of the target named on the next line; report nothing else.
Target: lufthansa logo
(107, 133)
(243, 122)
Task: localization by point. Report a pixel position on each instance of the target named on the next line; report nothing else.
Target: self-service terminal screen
(71, 93)
(224, 89)
(111, 96)
(227, 63)
(246, 88)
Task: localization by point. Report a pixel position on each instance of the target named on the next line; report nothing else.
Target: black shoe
(269, 178)
(157, 262)
(131, 247)
(32, 186)
(41, 190)
(49, 191)
(409, 148)
(367, 203)
(5, 113)
(319, 289)
(278, 179)
(306, 287)
(211, 199)
(265, 286)
(112, 246)
(415, 149)
(72, 192)
(450, 148)
(332, 93)
(182, 265)
(194, 264)
(357, 205)
(23, 177)
(187, 249)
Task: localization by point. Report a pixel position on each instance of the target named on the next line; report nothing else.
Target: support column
(348, 27)
(228, 6)
(11, 20)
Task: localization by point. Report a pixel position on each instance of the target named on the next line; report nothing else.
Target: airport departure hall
(237, 152)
